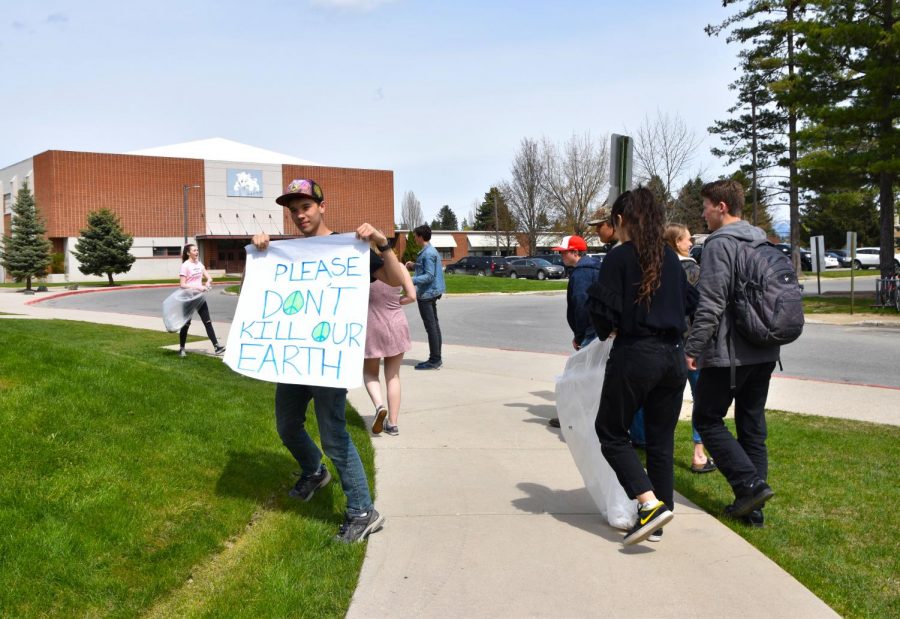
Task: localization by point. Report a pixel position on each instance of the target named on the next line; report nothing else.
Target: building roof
(220, 149)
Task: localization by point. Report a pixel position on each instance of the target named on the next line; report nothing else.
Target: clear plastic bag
(180, 306)
(577, 400)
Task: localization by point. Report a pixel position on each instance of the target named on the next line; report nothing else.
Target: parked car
(696, 251)
(829, 262)
(554, 258)
(479, 265)
(842, 256)
(867, 257)
(537, 268)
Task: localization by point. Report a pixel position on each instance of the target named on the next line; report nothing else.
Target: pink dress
(387, 333)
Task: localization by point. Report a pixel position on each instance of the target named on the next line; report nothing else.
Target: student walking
(678, 237)
(387, 337)
(731, 366)
(642, 297)
(192, 275)
(305, 202)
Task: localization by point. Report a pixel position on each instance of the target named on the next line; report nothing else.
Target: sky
(442, 93)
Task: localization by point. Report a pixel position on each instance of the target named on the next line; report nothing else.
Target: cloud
(351, 5)
(379, 93)
(57, 18)
(19, 25)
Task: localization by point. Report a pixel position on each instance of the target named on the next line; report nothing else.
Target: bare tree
(525, 194)
(411, 211)
(574, 178)
(664, 147)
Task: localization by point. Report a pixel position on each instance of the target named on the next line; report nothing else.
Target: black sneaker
(358, 528)
(392, 430)
(429, 365)
(754, 519)
(307, 485)
(649, 520)
(219, 350)
(750, 498)
(553, 422)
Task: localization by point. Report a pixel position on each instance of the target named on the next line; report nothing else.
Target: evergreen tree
(834, 214)
(503, 222)
(687, 208)
(852, 75)
(103, 248)
(412, 249)
(26, 251)
(770, 30)
(445, 219)
(762, 217)
(658, 188)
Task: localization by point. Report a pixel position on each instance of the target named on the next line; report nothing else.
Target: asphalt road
(537, 323)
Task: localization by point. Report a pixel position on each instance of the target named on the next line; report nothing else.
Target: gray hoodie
(713, 322)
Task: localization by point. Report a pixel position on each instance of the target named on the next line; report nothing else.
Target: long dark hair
(185, 251)
(645, 219)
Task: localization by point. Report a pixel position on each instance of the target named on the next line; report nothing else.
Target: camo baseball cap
(301, 188)
(601, 215)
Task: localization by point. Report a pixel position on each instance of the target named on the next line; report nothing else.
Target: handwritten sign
(301, 317)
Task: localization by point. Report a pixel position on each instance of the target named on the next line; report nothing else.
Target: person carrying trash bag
(191, 297)
(642, 297)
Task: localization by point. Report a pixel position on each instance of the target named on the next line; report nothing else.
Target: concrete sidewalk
(487, 515)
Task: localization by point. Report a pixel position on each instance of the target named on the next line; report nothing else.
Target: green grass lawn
(98, 284)
(862, 304)
(841, 274)
(832, 522)
(133, 481)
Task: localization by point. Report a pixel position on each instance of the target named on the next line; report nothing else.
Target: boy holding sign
(306, 203)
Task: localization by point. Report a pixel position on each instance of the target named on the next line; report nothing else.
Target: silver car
(537, 268)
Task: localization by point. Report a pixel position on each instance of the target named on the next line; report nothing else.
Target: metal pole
(497, 222)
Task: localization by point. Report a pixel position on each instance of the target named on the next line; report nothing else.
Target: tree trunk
(28, 282)
(109, 275)
(794, 191)
(753, 155)
(886, 179)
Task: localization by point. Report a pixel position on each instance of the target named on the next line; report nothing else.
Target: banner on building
(301, 316)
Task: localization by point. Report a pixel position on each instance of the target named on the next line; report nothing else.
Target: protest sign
(301, 317)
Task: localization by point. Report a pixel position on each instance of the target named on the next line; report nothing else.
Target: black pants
(203, 310)
(428, 311)
(745, 459)
(649, 372)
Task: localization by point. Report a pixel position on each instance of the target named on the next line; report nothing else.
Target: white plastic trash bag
(180, 306)
(577, 400)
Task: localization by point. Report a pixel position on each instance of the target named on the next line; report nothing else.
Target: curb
(70, 293)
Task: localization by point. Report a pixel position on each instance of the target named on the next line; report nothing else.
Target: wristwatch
(385, 247)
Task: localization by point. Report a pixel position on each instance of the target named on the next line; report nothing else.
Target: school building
(216, 193)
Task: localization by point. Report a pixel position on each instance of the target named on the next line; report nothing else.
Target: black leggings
(203, 310)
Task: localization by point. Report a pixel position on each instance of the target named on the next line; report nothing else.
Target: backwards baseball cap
(572, 242)
(601, 216)
(301, 188)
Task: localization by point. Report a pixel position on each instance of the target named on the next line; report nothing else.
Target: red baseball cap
(572, 242)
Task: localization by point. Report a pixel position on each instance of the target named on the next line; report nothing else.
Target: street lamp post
(185, 189)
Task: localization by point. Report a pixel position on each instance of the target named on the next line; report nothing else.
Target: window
(446, 254)
(165, 252)
(7, 203)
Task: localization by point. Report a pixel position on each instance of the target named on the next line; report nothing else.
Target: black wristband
(384, 248)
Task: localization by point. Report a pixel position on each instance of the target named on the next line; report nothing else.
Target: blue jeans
(428, 312)
(291, 402)
(693, 375)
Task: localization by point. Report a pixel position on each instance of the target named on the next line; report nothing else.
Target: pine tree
(103, 248)
(687, 208)
(445, 219)
(411, 251)
(852, 75)
(26, 251)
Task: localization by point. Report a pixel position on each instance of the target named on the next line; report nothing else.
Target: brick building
(229, 190)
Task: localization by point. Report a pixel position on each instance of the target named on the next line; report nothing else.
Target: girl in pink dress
(387, 337)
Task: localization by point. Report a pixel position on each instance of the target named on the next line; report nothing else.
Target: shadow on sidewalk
(560, 504)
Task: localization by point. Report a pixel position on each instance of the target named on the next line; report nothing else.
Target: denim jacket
(583, 276)
(429, 274)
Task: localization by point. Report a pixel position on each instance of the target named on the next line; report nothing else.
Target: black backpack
(767, 299)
